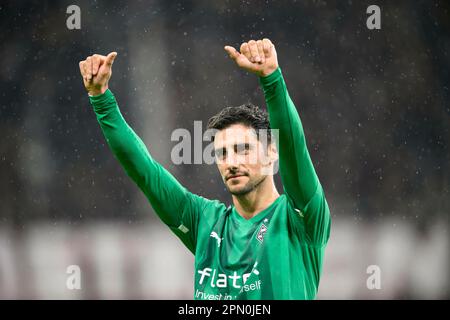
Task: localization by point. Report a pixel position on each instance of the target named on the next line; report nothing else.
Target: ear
(273, 152)
(271, 156)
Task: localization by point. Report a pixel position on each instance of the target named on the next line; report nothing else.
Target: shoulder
(211, 210)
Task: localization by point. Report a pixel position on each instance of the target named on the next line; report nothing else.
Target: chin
(240, 190)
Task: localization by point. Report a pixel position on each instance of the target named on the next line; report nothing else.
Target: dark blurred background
(375, 106)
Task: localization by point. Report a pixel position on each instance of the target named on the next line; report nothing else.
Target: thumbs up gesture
(96, 71)
(259, 57)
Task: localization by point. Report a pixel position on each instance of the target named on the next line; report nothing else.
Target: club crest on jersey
(262, 231)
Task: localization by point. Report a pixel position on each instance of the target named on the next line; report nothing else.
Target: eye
(243, 148)
(220, 153)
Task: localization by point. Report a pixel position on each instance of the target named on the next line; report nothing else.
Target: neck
(252, 203)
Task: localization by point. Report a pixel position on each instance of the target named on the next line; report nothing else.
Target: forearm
(296, 168)
(122, 140)
(163, 191)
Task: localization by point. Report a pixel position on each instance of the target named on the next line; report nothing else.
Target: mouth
(235, 176)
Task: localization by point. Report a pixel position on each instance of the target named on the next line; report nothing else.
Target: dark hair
(247, 114)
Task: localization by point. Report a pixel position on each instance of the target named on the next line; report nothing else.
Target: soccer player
(265, 245)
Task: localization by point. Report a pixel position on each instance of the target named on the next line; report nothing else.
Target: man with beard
(265, 245)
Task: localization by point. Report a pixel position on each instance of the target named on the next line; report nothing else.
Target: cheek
(254, 169)
(256, 160)
(221, 168)
(258, 166)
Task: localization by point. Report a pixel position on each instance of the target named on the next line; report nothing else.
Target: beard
(248, 187)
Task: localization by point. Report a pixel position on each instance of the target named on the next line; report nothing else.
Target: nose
(232, 168)
(232, 160)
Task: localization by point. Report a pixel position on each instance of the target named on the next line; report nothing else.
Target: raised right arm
(175, 205)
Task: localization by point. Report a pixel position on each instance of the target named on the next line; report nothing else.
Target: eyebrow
(235, 146)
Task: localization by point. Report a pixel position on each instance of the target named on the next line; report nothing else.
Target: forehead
(235, 134)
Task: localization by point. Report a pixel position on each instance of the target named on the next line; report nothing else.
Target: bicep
(314, 220)
(296, 167)
(178, 208)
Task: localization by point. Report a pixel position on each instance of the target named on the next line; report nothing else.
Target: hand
(96, 71)
(258, 57)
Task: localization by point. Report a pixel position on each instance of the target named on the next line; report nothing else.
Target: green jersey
(277, 254)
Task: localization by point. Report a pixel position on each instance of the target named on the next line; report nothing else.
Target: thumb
(110, 58)
(232, 52)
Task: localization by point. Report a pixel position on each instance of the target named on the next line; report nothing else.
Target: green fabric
(279, 252)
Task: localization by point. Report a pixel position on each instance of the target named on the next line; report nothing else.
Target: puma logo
(216, 236)
(300, 213)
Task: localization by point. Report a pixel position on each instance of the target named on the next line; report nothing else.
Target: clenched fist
(96, 71)
(258, 57)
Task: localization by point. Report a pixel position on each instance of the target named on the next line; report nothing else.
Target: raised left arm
(298, 175)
